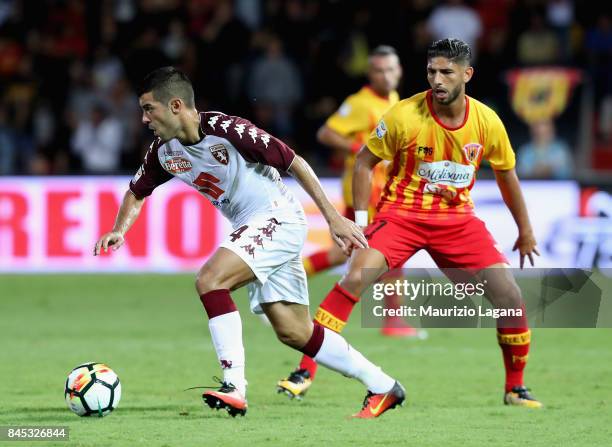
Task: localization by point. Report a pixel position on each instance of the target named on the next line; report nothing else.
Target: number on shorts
(236, 234)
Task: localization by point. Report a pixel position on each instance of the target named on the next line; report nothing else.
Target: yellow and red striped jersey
(355, 119)
(433, 167)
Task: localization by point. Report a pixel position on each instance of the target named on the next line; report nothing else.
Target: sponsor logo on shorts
(257, 240)
(447, 173)
(220, 153)
(269, 229)
(381, 129)
(249, 249)
(472, 152)
(177, 165)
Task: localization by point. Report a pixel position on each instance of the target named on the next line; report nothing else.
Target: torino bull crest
(220, 153)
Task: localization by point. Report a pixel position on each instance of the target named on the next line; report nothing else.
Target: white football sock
(337, 354)
(226, 334)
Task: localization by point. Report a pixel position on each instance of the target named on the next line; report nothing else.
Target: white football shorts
(271, 245)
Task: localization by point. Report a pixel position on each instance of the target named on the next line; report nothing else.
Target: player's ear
(175, 104)
(467, 74)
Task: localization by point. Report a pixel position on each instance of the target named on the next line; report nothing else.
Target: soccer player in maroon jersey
(235, 165)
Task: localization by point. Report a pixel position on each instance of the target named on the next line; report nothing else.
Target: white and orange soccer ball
(92, 389)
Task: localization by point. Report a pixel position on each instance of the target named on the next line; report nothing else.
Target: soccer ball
(92, 389)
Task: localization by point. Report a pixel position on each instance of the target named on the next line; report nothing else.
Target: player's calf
(291, 323)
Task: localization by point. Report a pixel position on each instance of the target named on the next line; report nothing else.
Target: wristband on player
(356, 146)
(361, 218)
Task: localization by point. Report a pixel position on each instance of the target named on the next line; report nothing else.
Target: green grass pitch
(151, 329)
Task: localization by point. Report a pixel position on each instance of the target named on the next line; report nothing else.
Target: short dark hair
(453, 49)
(166, 83)
(383, 50)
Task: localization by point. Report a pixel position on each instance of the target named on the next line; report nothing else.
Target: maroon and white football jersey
(235, 166)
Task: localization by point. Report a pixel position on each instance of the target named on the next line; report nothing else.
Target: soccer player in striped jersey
(435, 142)
(349, 128)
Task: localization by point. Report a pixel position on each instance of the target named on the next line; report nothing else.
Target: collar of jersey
(435, 117)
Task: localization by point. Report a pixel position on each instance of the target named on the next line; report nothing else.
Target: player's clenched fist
(112, 239)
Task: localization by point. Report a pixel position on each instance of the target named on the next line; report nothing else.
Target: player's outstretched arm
(362, 184)
(508, 184)
(127, 215)
(333, 139)
(344, 232)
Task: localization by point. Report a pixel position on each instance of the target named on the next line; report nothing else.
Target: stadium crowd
(69, 68)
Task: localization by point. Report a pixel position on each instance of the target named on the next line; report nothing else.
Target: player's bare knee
(352, 281)
(207, 279)
(514, 296)
(507, 297)
(293, 337)
(336, 257)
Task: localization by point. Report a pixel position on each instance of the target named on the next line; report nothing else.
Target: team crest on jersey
(177, 165)
(381, 129)
(220, 153)
(472, 151)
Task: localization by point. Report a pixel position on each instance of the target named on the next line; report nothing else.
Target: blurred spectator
(538, 45)
(175, 42)
(605, 120)
(18, 100)
(249, 12)
(8, 148)
(123, 105)
(599, 52)
(144, 55)
(11, 53)
(97, 142)
(455, 19)
(82, 94)
(66, 28)
(357, 46)
(545, 156)
(222, 53)
(560, 15)
(44, 127)
(106, 70)
(275, 87)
